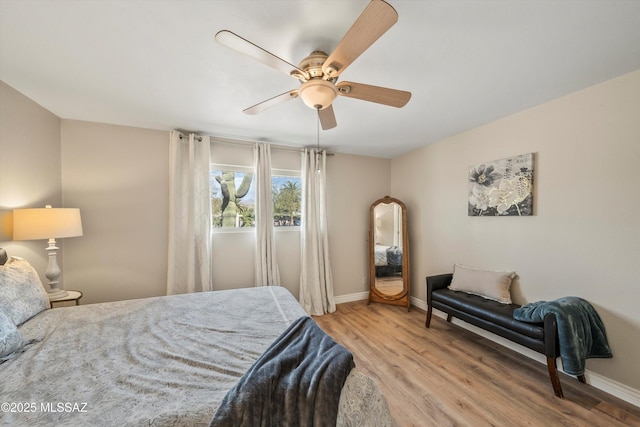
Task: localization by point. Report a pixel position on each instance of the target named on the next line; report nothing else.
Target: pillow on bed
(11, 339)
(494, 285)
(22, 295)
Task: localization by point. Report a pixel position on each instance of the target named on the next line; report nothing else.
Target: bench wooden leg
(553, 375)
(428, 321)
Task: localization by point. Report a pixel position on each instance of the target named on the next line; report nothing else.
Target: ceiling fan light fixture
(318, 92)
(318, 73)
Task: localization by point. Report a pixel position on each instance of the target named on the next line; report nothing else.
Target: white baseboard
(419, 303)
(614, 388)
(351, 297)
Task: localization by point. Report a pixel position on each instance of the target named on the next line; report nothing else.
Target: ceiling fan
(319, 72)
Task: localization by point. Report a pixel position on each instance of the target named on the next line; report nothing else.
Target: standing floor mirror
(389, 253)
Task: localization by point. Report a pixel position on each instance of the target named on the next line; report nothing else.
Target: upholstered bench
(497, 318)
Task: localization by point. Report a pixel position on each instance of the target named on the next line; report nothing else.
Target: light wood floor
(448, 376)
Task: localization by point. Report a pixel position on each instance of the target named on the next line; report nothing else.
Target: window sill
(245, 230)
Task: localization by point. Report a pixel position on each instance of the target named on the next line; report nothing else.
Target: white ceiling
(155, 64)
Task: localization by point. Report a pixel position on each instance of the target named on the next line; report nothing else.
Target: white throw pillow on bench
(493, 285)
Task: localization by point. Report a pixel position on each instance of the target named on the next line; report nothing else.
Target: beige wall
(119, 178)
(353, 184)
(584, 238)
(29, 170)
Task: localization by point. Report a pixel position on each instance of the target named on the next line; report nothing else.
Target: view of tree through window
(286, 194)
(233, 199)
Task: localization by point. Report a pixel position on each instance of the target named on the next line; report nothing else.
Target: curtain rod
(248, 142)
(252, 142)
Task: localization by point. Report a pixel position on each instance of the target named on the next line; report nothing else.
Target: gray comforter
(165, 361)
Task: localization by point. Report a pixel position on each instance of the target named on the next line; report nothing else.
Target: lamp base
(57, 294)
(53, 273)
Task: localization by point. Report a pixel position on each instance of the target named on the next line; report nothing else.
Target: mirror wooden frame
(402, 298)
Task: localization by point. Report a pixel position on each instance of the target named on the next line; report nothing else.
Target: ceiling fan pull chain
(318, 139)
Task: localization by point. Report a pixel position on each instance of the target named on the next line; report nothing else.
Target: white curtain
(189, 215)
(267, 273)
(316, 282)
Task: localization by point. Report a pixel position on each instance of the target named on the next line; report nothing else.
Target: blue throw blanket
(296, 382)
(581, 333)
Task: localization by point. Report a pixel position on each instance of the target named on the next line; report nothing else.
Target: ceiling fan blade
(377, 94)
(327, 118)
(279, 99)
(373, 22)
(242, 45)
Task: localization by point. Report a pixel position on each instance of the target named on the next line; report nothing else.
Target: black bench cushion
(492, 311)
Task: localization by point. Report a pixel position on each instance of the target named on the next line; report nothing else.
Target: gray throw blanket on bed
(296, 382)
(581, 333)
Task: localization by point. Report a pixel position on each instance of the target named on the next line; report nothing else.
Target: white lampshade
(46, 223)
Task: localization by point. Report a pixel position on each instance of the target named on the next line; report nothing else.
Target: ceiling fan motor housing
(312, 64)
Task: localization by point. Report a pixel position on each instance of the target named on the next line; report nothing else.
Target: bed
(161, 361)
(388, 260)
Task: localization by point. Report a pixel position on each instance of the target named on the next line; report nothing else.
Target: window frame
(238, 168)
(235, 168)
(286, 173)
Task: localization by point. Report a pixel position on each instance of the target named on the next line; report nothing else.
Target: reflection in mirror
(388, 253)
(388, 248)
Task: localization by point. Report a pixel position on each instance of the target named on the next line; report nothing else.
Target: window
(286, 194)
(233, 197)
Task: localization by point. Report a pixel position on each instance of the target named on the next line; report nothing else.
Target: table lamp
(48, 223)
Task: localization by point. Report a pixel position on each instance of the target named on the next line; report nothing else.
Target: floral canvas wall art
(502, 187)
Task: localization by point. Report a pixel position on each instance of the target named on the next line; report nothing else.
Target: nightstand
(73, 296)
